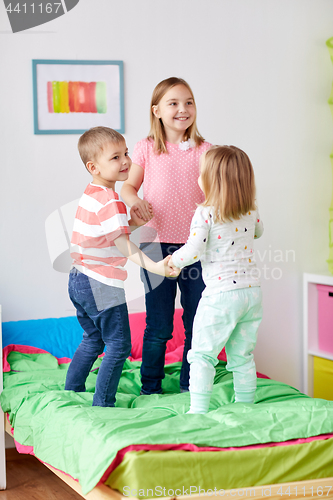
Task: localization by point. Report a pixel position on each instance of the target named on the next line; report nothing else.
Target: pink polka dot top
(171, 185)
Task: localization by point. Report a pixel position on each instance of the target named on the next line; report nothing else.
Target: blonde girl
(222, 234)
(166, 163)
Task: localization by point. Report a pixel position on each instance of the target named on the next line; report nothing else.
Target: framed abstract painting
(72, 96)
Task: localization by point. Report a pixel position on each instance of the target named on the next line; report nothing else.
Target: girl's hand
(135, 220)
(163, 268)
(143, 209)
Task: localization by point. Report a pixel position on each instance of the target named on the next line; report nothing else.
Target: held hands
(144, 210)
(175, 270)
(165, 269)
(135, 219)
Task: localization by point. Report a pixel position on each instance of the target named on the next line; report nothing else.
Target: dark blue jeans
(102, 313)
(160, 308)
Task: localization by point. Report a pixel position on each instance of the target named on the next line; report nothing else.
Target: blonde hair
(228, 183)
(92, 142)
(157, 132)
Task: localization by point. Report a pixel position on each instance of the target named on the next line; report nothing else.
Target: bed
(147, 447)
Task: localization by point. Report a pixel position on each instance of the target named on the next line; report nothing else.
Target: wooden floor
(28, 479)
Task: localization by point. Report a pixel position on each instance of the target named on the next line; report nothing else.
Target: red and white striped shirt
(100, 218)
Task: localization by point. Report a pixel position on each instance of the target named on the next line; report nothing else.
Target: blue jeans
(102, 313)
(160, 308)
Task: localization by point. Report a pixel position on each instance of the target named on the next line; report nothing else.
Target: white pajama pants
(231, 320)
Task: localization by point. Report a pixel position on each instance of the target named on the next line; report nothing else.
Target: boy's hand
(143, 209)
(132, 252)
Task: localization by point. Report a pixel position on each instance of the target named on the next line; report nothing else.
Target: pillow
(58, 336)
(61, 336)
(138, 324)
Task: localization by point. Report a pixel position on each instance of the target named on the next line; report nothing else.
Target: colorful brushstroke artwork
(72, 96)
(76, 97)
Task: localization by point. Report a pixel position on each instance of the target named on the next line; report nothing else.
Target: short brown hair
(157, 132)
(92, 142)
(228, 182)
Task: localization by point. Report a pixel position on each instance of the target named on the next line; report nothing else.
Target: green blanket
(66, 432)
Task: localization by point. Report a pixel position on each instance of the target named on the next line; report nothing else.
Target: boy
(100, 247)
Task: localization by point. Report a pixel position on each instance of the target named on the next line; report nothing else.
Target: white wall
(261, 75)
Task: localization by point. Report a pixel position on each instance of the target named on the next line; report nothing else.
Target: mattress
(284, 436)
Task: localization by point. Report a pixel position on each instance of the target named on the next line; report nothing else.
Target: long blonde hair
(228, 183)
(157, 132)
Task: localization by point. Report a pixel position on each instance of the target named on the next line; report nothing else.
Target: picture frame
(71, 96)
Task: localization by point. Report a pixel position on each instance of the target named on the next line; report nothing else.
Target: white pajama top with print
(225, 250)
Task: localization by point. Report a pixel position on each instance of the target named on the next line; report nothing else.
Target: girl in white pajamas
(222, 234)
